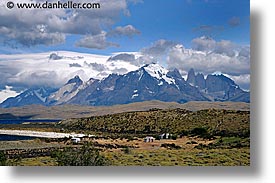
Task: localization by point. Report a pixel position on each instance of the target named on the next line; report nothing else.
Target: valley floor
(211, 137)
(185, 151)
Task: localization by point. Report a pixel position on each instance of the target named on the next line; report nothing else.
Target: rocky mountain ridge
(149, 82)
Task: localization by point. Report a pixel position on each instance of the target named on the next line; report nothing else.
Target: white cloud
(206, 56)
(32, 38)
(208, 44)
(203, 44)
(51, 26)
(35, 78)
(127, 30)
(158, 48)
(23, 71)
(95, 42)
(27, 70)
(241, 80)
(224, 57)
(213, 56)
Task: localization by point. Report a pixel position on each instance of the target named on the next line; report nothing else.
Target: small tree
(201, 132)
(127, 150)
(174, 137)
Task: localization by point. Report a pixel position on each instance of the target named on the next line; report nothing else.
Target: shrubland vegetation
(87, 155)
(181, 157)
(211, 137)
(204, 123)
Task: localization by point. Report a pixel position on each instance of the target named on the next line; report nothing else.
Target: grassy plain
(201, 137)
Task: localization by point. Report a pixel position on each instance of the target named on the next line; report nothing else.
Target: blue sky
(175, 20)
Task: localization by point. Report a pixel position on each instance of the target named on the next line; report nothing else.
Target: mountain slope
(150, 82)
(218, 87)
(29, 97)
(65, 93)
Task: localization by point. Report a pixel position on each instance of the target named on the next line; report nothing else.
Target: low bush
(87, 155)
(3, 159)
(170, 146)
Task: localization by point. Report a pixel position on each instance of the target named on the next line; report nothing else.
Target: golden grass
(38, 161)
(182, 157)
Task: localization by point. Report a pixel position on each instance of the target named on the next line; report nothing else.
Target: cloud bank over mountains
(207, 56)
(210, 56)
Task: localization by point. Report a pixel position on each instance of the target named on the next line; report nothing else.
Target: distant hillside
(75, 111)
(176, 121)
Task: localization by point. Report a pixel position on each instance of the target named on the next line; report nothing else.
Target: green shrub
(199, 131)
(174, 137)
(127, 150)
(170, 146)
(87, 155)
(201, 146)
(3, 159)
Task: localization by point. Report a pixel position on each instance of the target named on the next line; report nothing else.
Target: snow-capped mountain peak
(150, 82)
(65, 93)
(158, 72)
(75, 80)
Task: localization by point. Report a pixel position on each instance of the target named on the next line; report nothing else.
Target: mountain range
(149, 82)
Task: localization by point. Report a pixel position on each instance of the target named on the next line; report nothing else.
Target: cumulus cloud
(51, 26)
(158, 48)
(208, 44)
(225, 47)
(6, 72)
(203, 43)
(35, 78)
(242, 80)
(127, 30)
(98, 41)
(208, 62)
(208, 56)
(32, 38)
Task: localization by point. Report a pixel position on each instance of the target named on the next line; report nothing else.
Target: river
(20, 121)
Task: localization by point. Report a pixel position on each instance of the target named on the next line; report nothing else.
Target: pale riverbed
(39, 134)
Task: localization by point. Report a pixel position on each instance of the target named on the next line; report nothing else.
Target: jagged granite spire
(191, 78)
